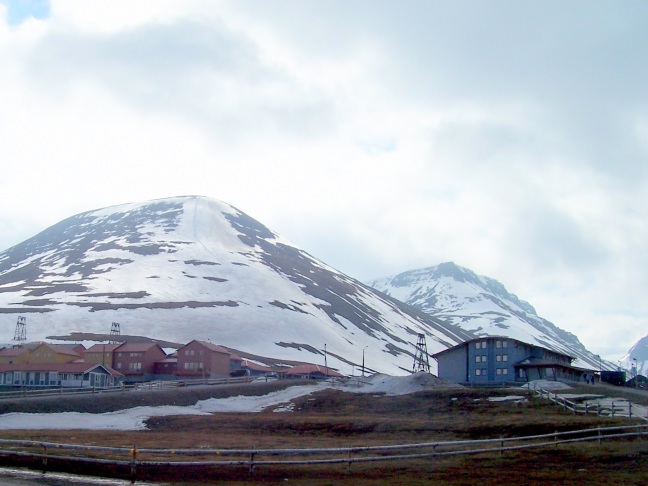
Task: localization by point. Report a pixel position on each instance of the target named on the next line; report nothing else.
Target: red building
(137, 360)
(200, 359)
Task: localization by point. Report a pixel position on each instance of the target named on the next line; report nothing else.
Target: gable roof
(102, 348)
(212, 347)
(136, 347)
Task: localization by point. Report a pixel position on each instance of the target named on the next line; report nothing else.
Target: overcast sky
(380, 136)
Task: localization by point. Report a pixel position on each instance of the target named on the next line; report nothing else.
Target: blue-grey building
(500, 359)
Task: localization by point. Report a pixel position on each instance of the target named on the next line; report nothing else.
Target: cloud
(509, 138)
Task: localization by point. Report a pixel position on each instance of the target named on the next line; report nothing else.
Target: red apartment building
(200, 359)
(137, 360)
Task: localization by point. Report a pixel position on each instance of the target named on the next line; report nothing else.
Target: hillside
(192, 267)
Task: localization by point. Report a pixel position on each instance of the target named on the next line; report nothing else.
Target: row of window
(134, 366)
(191, 352)
(484, 372)
(484, 344)
(482, 358)
(193, 366)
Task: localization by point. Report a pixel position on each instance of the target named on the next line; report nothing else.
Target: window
(505, 344)
(498, 344)
(478, 359)
(483, 344)
(505, 371)
(477, 372)
(499, 371)
(118, 365)
(134, 366)
(478, 345)
(498, 357)
(483, 360)
(505, 357)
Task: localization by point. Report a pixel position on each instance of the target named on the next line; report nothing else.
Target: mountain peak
(481, 305)
(192, 267)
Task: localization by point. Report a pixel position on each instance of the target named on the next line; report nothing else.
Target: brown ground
(338, 419)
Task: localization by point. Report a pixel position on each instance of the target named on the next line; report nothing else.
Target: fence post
(598, 408)
(252, 463)
(349, 463)
(629, 410)
(612, 409)
(134, 461)
(501, 446)
(555, 439)
(599, 434)
(44, 456)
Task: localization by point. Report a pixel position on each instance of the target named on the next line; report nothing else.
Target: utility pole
(363, 367)
(325, 363)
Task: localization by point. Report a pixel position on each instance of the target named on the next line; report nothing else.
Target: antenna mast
(421, 362)
(114, 333)
(21, 329)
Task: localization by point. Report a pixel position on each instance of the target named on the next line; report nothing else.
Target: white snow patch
(546, 385)
(508, 398)
(135, 418)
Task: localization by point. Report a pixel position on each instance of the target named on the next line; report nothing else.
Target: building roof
(482, 338)
(208, 345)
(61, 348)
(312, 369)
(102, 348)
(251, 365)
(136, 347)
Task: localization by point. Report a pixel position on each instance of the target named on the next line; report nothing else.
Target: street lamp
(636, 372)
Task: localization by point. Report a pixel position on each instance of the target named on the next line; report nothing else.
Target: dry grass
(337, 419)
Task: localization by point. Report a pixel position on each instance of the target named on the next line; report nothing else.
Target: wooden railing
(133, 458)
(153, 385)
(602, 407)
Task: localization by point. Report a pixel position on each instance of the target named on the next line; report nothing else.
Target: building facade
(200, 359)
(71, 375)
(499, 359)
(136, 361)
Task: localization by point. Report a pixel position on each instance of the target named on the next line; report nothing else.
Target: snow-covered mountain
(638, 355)
(482, 306)
(191, 267)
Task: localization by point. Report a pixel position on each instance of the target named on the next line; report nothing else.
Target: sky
(379, 136)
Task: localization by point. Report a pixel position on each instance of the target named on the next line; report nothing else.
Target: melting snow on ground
(135, 418)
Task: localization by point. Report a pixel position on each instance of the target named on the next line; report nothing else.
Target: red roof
(135, 347)
(312, 369)
(208, 345)
(102, 348)
(255, 366)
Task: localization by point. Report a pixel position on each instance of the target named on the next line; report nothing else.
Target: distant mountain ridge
(191, 267)
(637, 355)
(481, 305)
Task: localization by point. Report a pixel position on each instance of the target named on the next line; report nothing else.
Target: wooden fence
(153, 385)
(612, 408)
(133, 458)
